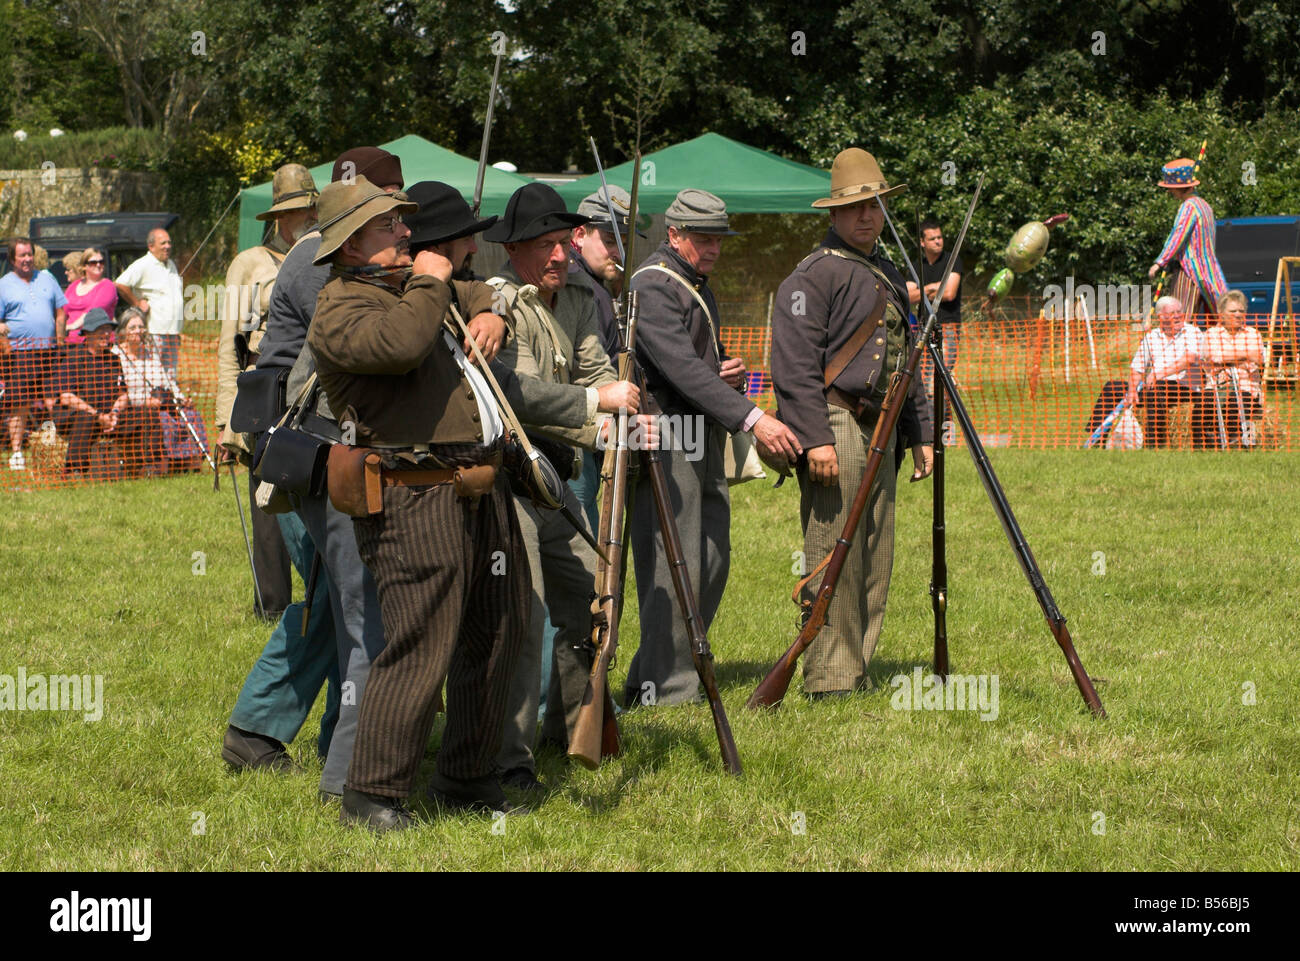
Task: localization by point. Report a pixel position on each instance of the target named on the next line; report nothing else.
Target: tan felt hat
(344, 209)
(292, 188)
(855, 176)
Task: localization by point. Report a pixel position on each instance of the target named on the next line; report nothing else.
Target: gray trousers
(662, 671)
(838, 659)
(563, 578)
(358, 624)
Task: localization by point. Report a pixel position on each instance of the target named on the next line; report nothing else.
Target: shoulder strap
(708, 314)
(515, 299)
(844, 356)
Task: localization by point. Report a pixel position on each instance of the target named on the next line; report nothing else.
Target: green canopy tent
(749, 180)
(421, 160)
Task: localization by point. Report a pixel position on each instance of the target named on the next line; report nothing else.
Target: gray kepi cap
(593, 206)
(700, 211)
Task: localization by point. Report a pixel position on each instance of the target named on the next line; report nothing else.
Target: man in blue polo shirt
(33, 319)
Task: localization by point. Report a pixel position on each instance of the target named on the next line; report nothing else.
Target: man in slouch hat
(702, 393)
(440, 535)
(249, 281)
(839, 333)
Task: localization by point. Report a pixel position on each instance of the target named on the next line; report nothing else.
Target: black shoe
(521, 779)
(244, 750)
(823, 695)
(375, 811)
(481, 795)
(328, 797)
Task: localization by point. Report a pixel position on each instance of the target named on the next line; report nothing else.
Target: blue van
(1248, 249)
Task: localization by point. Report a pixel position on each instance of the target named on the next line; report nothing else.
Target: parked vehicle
(124, 236)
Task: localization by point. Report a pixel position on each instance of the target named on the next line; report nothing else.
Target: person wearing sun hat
(250, 279)
(692, 380)
(1188, 253)
(839, 333)
(393, 369)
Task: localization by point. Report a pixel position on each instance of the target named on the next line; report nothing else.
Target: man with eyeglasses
(445, 548)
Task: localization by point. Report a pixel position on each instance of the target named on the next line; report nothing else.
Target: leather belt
(416, 478)
(856, 406)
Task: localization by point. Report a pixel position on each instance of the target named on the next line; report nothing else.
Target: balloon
(1027, 247)
(1001, 283)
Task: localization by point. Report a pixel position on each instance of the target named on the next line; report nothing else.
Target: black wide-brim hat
(533, 210)
(443, 215)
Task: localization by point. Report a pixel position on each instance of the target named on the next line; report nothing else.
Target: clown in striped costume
(1188, 252)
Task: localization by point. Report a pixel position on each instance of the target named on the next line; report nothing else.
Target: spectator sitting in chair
(152, 390)
(1167, 369)
(93, 403)
(1235, 351)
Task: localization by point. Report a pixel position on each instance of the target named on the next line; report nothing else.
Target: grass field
(1191, 616)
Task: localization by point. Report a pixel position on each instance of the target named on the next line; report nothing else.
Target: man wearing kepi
(594, 255)
(563, 372)
(433, 517)
(701, 391)
(839, 332)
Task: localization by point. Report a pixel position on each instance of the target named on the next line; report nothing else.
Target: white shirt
(1159, 353)
(487, 407)
(160, 284)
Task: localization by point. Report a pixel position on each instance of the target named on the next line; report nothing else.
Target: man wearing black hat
(445, 224)
(346, 630)
(438, 529)
(93, 403)
(562, 367)
(701, 389)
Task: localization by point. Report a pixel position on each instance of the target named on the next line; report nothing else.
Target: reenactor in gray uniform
(701, 391)
(839, 331)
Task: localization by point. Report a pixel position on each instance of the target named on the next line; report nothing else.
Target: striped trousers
(454, 588)
(838, 659)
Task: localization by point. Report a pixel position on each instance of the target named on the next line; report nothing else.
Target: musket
(1055, 622)
(487, 136)
(248, 544)
(938, 530)
(596, 734)
(771, 690)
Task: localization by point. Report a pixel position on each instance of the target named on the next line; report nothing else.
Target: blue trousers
(280, 690)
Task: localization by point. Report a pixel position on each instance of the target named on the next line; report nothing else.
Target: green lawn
(1193, 610)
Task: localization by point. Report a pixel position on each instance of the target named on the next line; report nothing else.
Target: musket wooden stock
(595, 733)
(701, 654)
(773, 687)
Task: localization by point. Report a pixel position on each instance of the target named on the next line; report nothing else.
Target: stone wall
(25, 194)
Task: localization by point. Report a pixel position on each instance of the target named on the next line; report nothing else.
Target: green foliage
(124, 148)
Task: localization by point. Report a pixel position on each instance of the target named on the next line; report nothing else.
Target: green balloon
(1001, 283)
(1027, 247)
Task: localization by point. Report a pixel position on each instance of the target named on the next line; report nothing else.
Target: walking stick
(239, 506)
(1247, 435)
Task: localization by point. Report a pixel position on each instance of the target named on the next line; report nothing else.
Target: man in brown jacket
(839, 331)
(451, 571)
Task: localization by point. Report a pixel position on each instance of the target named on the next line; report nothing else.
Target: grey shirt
(674, 345)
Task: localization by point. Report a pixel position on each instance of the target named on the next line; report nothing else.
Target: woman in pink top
(1236, 356)
(92, 290)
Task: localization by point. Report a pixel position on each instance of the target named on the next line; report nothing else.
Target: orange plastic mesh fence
(1028, 381)
(73, 416)
(1039, 382)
